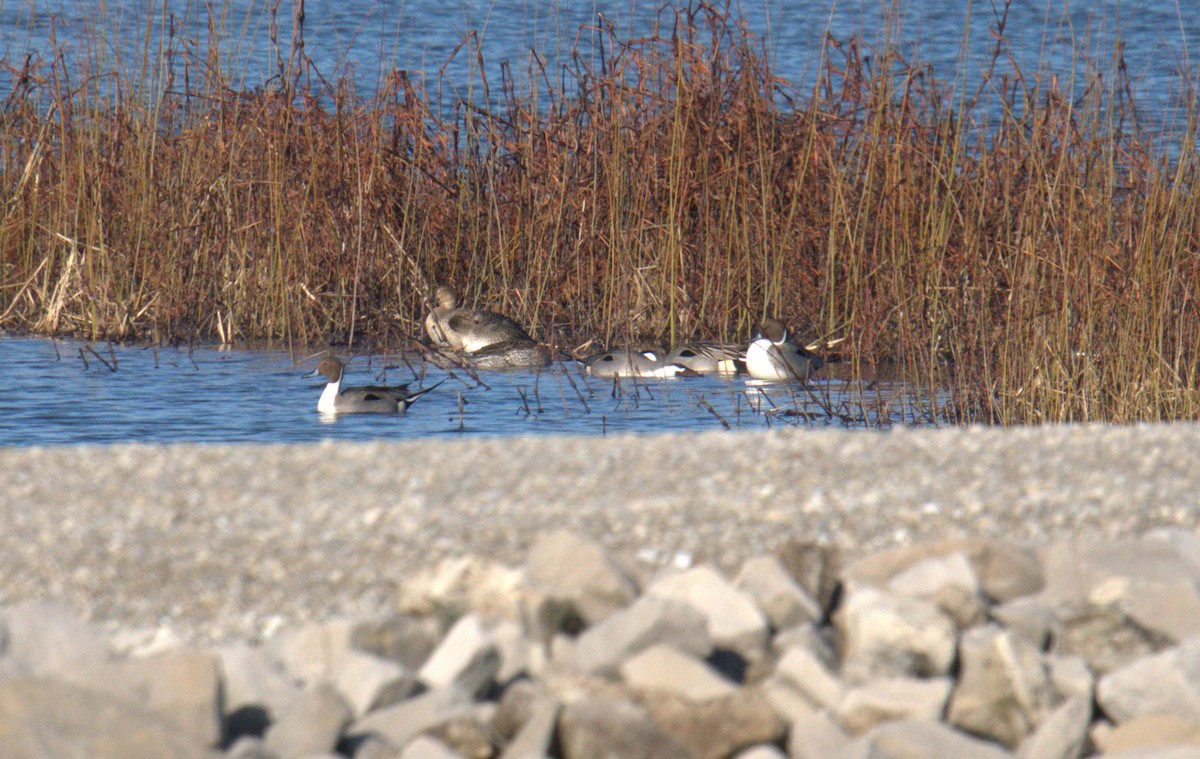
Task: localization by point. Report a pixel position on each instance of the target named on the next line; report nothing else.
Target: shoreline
(215, 542)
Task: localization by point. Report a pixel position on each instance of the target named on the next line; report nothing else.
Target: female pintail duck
(468, 329)
(627, 363)
(368, 399)
(709, 358)
(771, 356)
(509, 354)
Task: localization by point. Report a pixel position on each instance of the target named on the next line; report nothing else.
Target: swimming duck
(771, 356)
(467, 329)
(508, 354)
(367, 399)
(627, 363)
(709, 358)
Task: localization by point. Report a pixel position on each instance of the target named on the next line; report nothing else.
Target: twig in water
(708, 407)
(111, 367)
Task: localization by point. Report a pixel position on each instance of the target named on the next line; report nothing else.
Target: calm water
(365, 38)
(63, 392)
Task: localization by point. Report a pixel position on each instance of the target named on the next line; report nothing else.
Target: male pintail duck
(709, 358)
(368, 399)
(627, 363)
(771, 356)
(468, 329)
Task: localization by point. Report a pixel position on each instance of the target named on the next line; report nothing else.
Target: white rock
(921, 739)
(816, 736)
(1167, 683)
(46, 639)
(780, 597)
(1062, 735)
(666, 669)
(805, 673)
(424, 747)
(534, 739)
(895, 698)
(761, 752)
(312, 724)
(734, 621)
(1003, 690)
(648, 621)
(467, 658)
(400, 723)
(575, 569)
(887, 635)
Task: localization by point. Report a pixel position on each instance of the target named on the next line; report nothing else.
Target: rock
(1030, 616)
(1167, 683)
(821, 642)
(776, 593)
(1103, 636)
(42, 718)
(866, 706)
(1003, 690)
(949, 582)
(1155, 583)
(469, 733)
(815, 567)
(665, 669)
(518, 654)
(761, 752)
(534, 739)
(886, 635)
(324, 653)
(1004, 570)
(401, 722)
(922, 739)
(648, 621)
(577, 572)
(816, 736)
(1062, 735)
(311, 724)
(424, 747)
(182, 686)
(717, 727)
(734, 621)
(610, 728)
(45, 639)
(405, 639)
(255, 688)
(1153, 731)
(1070, 677)
(466, 658)
(250, 747)
(807, 675)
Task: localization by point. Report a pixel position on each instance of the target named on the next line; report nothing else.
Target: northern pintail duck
(509, 354)
(469, 329)
(771, 356)
(709, 358)
(628, 363)
(367, 399)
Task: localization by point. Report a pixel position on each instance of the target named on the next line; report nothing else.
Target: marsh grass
(1028, 247)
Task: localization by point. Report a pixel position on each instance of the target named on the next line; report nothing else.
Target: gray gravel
(226, 541)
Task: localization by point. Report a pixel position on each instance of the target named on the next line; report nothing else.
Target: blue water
(65, 392)
(369, 38)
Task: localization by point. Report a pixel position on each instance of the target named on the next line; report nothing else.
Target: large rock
(716, 727)
(949, 582)
(536, 734)
(45, 639)
(1003, 690)
(401, 722)
(1062, 735)
(894, 698)
(47, 719)
(663, 668)
(1104, 636)
(734, 621)
(466, 658)
(922, 739)
(255, 687)
(325, 653)
(648, 621)
(816, 736)
(456, 587)
(604, 727)
(576, 572)
(1153, 731)
(182, 686)
(777, 594)
(887, 635)
(803, 672)
(311, 724)
(1167, 683)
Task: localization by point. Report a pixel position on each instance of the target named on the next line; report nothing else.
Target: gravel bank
(218, 542)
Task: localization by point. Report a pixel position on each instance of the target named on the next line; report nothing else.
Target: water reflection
(66, 392)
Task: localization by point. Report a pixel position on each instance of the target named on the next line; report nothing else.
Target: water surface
(66, 392)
